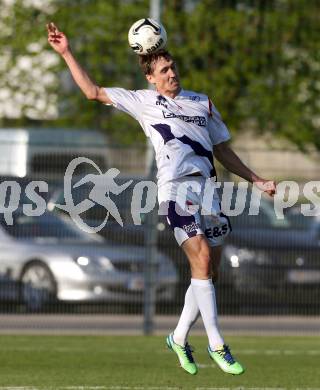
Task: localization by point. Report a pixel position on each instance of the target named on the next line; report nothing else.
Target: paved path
(133, 325)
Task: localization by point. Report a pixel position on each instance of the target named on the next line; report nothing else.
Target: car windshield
(45, 226)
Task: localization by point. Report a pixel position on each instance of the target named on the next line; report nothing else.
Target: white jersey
(182, 130)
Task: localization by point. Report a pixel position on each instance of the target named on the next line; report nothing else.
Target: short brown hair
(148, 61)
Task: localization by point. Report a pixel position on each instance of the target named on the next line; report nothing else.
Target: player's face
(165, 77)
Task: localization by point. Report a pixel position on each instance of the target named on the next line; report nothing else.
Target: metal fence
(50, 264)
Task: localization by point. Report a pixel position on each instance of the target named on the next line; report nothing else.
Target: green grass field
(130, 362)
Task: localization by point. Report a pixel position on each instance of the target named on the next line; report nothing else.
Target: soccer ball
(147, 36)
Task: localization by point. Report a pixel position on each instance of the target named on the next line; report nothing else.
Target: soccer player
(186, 131)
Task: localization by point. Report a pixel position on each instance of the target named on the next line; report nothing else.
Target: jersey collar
(180, 94)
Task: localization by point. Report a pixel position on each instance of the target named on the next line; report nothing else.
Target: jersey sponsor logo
(217, 231)
(198, 120)
(191, 228)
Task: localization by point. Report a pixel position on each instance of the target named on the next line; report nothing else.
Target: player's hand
(57, 39)
(268, 186)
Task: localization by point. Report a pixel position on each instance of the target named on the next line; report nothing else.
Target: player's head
(160, 69)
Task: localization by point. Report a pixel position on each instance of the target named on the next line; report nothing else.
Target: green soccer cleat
(226, 361)
(184, 355)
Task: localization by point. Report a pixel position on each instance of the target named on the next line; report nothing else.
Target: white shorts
(192, 206)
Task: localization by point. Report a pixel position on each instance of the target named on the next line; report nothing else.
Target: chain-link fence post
(150, 271)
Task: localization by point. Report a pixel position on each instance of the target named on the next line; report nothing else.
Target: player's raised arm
(59, 43)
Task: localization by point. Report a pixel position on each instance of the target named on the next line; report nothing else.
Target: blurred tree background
(258, 60)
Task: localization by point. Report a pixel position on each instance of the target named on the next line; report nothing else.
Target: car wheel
(38, 286)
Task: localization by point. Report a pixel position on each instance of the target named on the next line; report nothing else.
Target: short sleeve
(218, 131)
(127, 101)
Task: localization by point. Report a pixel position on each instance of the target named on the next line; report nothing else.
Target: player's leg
(183, 226)
(203, 260)
(188, 317)
(200, 256)
(177, 341)
(190, 311)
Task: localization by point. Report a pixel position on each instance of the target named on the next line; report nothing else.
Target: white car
(48, 258)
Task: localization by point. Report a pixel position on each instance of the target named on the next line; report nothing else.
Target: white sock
(204, 293)
(188, 317)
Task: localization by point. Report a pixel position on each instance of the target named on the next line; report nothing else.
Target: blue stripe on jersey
(165, 132)
(167, 135)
